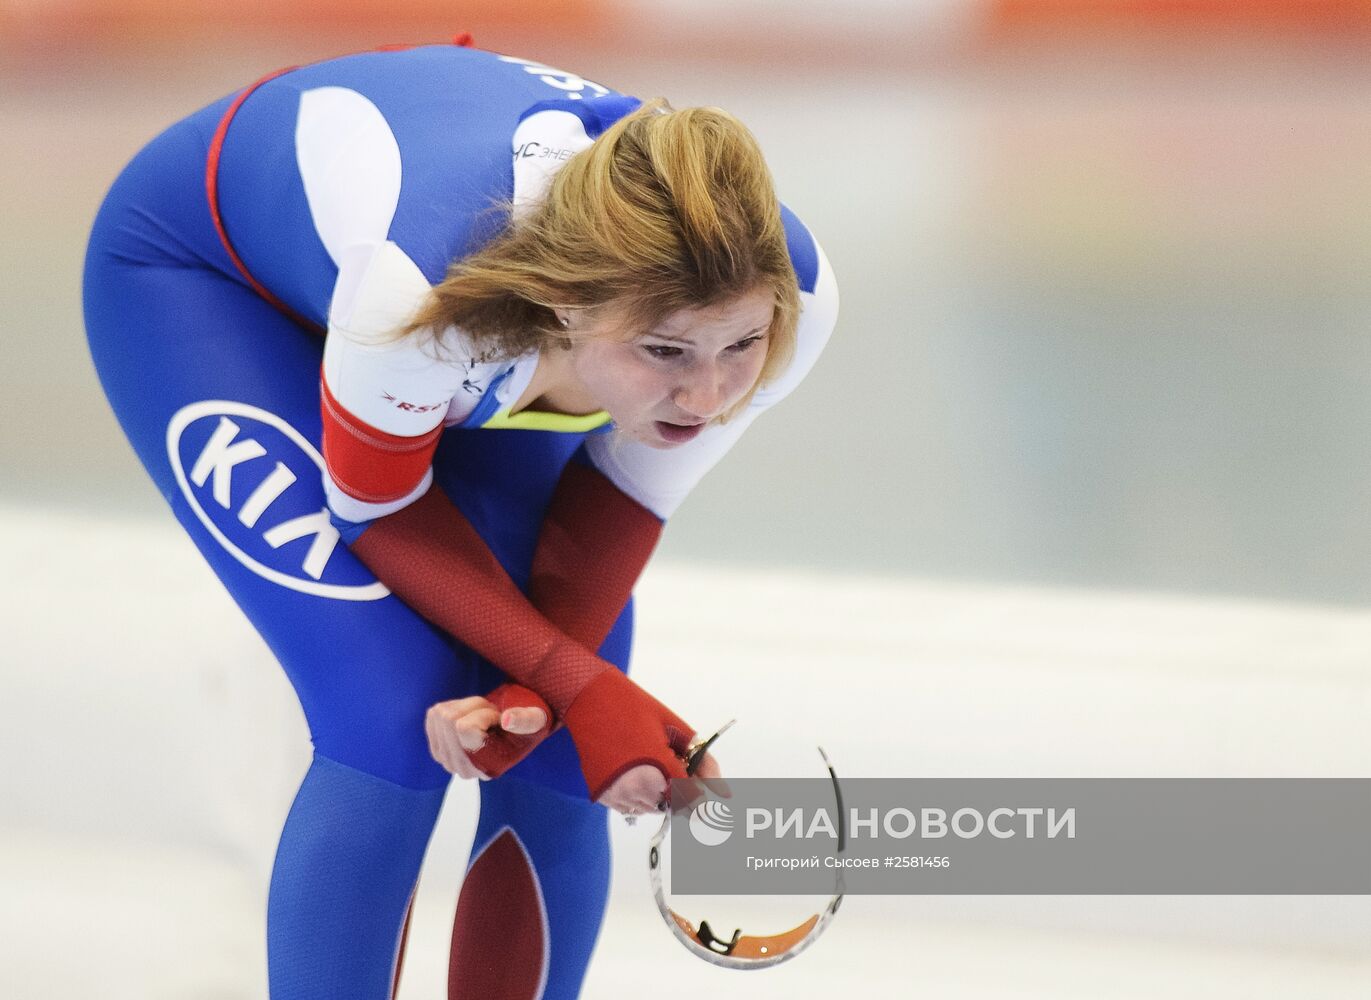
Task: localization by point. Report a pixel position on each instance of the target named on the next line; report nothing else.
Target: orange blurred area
(1011, 17)
(38, 24)
(48, 34)
(861, 34)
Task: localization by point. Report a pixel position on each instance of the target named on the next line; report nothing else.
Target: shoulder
(805, 255)
(551, 132)
(818, 307)
(426, 160)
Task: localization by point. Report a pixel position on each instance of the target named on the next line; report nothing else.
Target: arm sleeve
(591, 550)
(593, 546)
(660, 479)
(383, 399)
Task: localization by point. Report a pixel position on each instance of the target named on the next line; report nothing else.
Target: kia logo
(253, 481)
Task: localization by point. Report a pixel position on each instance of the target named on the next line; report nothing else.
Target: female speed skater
(424, 406)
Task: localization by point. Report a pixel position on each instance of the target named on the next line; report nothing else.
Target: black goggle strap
(696, 751)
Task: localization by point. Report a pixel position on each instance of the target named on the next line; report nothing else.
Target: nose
(703, 394)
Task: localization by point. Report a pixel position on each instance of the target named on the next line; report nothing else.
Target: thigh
(218, 393)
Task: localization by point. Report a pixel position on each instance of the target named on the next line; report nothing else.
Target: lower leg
(345, 871)
(534, 897)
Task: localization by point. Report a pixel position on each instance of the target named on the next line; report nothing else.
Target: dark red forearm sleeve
(430, 556)
(594, 544)
(434, 560)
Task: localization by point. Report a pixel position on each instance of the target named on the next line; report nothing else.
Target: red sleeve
(433, 559)
(594, 544)
(368, 464)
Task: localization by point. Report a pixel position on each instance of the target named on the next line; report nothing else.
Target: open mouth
(678, 433)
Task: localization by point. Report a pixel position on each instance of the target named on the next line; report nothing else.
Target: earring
(564, 321)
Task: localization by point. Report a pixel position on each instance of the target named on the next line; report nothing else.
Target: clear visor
(738, 950)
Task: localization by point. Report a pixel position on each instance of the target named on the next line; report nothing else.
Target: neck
(554, 387)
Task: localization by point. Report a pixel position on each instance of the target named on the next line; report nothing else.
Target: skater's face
(663, 386)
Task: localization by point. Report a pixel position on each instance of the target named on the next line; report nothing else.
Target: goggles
(742, 951)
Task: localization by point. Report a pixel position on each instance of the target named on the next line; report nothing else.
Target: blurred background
(1103, 263)
(1080, 484)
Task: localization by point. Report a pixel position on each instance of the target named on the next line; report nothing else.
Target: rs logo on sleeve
(409, 407)
(255, 484)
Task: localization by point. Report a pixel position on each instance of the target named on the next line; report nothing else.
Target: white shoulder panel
(660, 479)
(350, 165)
(379, 290)
(401, 386)
(543, 142)
(818, 316)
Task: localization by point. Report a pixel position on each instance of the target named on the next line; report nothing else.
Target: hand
(484, 737)
(642, 789)
(617, 726)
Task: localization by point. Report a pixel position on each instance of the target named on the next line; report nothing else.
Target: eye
(662, 350)
(747, 343)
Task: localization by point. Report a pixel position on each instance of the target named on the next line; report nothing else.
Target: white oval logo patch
(255, 484)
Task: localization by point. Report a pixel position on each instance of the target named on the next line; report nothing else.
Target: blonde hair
(666, 210)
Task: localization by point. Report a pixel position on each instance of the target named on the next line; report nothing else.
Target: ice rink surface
(152, 749)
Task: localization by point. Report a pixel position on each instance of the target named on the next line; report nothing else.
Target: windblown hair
(666, 210)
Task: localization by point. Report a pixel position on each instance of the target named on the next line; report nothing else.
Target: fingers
(711, 776)
(459, 707)
(461, 727)
(444, 745)
(644, 788)
(471, 728)
(523, 721)
(708, 767)
(638, 790)
(455, 727)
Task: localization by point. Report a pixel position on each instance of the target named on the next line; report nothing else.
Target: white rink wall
(152, 748)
